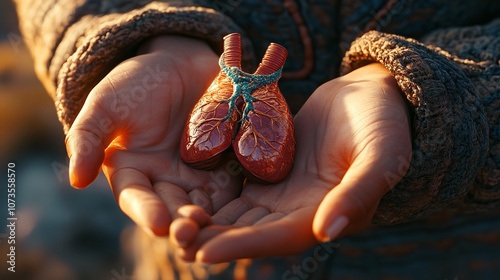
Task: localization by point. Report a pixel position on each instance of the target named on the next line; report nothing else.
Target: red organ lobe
(210, 127)
(265, 143)
(249, 108)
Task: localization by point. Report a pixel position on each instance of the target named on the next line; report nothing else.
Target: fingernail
(336, 227)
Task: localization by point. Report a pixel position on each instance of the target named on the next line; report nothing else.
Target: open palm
(131, 123)
(350, 134)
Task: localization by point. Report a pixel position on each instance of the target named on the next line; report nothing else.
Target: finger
(136, 198)
(184, 230)
(255, 215)
(289, 235)
(195, 213)
(354, 199)
(252, 216)
(173, 196)
(188, 253)
(231, 212)
(86, 141)
(180, 206)
(270, 218)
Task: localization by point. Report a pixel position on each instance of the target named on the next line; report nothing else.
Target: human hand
(350, 134)
(131, 123)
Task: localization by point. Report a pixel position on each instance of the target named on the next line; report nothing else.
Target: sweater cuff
(450, 131)
(111, 39)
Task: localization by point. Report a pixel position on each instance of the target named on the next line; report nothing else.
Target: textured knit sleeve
(451, 79)
(74, 43)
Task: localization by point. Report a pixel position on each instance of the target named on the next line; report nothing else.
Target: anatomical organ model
(246, 111)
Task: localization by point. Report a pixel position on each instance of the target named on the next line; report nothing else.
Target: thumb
(86, 141)
(351, 204)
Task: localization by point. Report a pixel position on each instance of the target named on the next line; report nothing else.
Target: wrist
(377, 73)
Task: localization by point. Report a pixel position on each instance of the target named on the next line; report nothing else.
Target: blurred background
(62, 233)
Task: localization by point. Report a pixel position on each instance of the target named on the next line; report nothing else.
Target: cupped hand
(351, 136)
(131, 125)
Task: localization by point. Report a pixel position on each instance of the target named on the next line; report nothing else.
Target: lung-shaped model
(246, 111)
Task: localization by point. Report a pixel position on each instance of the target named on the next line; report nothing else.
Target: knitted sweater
(445, 56)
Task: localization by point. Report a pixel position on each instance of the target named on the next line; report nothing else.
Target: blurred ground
(62, 233)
